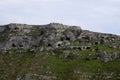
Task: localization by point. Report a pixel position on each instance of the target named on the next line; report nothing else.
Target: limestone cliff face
(50, 36)
(57, 52)
(13, 36)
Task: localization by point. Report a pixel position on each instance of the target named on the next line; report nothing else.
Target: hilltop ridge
(57, 52)
(26, 36)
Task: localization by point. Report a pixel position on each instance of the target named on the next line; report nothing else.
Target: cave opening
(59, 45)
(20, 45)
(67, 38)
(49, 45)
(13, 45)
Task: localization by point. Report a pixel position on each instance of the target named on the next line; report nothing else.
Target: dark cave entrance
(13, 45)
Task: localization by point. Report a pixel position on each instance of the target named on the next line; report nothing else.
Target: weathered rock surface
(23, 37)
(57, 52)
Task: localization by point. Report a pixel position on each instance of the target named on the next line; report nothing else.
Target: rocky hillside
(57, 52)
(50, 36)
(54, 35)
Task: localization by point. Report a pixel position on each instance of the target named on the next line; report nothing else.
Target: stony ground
(57, 52)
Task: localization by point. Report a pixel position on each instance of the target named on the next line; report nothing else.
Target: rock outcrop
(57, 52)
(23, 37)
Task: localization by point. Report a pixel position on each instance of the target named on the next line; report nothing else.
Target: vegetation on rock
(57, 52)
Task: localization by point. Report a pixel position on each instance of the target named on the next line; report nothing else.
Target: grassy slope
(12, 65)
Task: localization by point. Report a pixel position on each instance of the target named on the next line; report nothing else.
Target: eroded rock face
(54, 49)
(25, 36)
(51, 36)
(105, 57)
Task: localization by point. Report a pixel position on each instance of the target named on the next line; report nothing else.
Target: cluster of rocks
(23, 38)
(36, 76)
(104, 56)
(51, 36)
(27, 36)
(79, 47)
(96, 76)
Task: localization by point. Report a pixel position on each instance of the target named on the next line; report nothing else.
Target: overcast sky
(94, 15)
